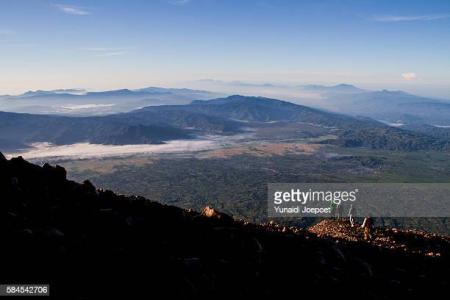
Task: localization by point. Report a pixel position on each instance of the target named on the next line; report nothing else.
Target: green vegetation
(237, 185)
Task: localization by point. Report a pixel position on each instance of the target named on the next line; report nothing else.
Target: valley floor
(233, 176)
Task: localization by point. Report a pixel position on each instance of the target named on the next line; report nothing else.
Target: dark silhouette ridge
(88, 243)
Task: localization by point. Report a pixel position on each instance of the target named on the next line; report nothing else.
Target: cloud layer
(392, 18)
(72, 10)
(179, 2)
(105, 52)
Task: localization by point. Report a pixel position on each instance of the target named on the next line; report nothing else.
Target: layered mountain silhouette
(392, 106)
(339, 88)
(396, 107)
(89, 243)
(79, 102)
(23, 129)
(223, 116)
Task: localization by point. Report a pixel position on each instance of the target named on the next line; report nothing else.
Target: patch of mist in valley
(45, 150)
(87, 150)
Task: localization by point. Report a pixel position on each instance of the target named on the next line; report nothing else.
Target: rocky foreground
(88, 243)
(409, 240)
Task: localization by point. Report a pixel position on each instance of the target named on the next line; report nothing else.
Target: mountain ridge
(75, 102)
(222, 116)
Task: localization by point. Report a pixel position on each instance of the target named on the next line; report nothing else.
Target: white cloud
(99, 49)
(73, 10)
(404, 18)
(116, 53)
(106, 51)
(85, 106)
(409, 76)
(179, 2)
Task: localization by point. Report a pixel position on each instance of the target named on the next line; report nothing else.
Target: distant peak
(344, 85)
(237, 97)
(243, 98)
(53, 92)
(393, 92)
(229, 99)
(340, 88)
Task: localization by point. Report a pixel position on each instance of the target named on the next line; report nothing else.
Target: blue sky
(114, 44)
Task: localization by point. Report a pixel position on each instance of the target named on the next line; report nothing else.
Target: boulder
(210, 212)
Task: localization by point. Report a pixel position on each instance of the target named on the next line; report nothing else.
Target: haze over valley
(392, 126)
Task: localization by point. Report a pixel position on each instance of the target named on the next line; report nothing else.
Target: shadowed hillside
(223, 116)
(87, 242)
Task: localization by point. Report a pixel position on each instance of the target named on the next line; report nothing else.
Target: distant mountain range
(82, 103)
(392, 107)
(222, 116)
(38, 93)
(339, 88)
(396, 108)
(389, 106)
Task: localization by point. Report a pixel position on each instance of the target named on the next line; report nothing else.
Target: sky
(111, 44)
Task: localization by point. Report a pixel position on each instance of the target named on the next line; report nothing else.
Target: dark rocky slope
(86, 243)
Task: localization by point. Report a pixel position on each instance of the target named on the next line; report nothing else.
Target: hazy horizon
(281, 90)
(104, 45)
